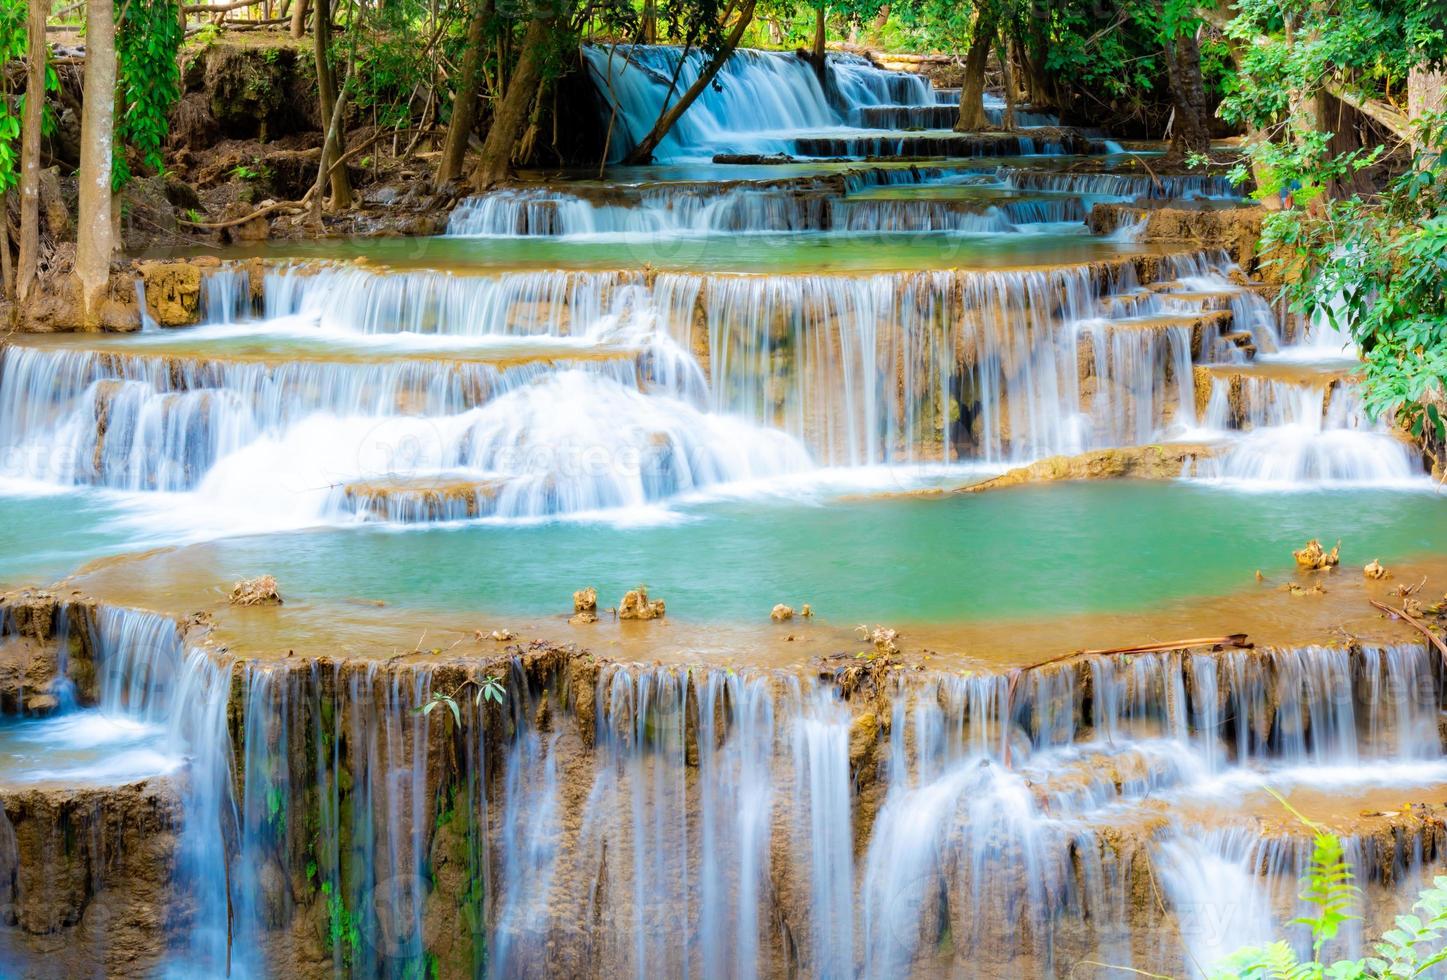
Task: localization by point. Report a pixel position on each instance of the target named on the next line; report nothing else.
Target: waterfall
(638, 820)
(1303, 433)
(757, 93)
(770, 102)
(433, 396)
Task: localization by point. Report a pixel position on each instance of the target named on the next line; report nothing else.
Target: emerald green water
(45, 537)
(1054, 549)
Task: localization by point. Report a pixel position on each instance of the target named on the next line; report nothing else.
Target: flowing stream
(741, 383)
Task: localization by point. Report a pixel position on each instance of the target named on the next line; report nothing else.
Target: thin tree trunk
(30, 149)
(334, 144)
(298, 19)
(650, 21)
(816, 54)
(972, 93)
(464, 105)
(330, 152)
(643, 152)
(94, 237)
(511, 115)
(1007, 121)
(1426, 92)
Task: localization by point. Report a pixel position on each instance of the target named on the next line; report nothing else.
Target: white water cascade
(426, 395)
(772, 102)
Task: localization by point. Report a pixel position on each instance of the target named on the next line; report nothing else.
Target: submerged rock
(1140, 462)
(1314, 558)
(782, 613)
(636, 605)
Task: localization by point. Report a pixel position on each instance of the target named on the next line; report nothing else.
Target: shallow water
(1035, 550)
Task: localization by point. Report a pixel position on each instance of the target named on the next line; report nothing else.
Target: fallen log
(1416, 624)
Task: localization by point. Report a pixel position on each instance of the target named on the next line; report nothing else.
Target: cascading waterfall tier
(685, 380)
(690, 379)
(768, 102)
(641, 820)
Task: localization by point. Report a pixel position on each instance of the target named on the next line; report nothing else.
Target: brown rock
(1314, 558)
(636, 605)
(173, 292)
(1165, 462)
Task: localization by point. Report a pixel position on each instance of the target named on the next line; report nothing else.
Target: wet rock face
(85, 879)
(1237, 230)
(173, 292)
(42, 638)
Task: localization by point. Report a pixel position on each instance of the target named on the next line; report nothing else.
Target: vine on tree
(147, 42)
(12, 47)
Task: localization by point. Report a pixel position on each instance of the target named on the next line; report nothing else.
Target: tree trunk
(94, 238)
(330, 152)
(1426, 92)
(816, 54)
(464, 106)
(30, 149)
(327, 96)
(650, 21)
(511, 115)
(1007, 121)
(972, 93)
(298, 19)
(1191, 132)
(643, 152)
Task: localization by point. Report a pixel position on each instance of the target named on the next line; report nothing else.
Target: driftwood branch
(1235, 640)
(1415, 623)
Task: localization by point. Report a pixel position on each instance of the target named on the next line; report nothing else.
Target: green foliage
(150, 82)
(251, 173)
(489, 689)
(13, 42)
(1378, 269)
(344, 928)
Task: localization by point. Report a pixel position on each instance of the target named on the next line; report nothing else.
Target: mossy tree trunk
(972, 92)
(464, 106)
(510, 117)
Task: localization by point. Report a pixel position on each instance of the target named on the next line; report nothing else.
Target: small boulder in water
(806, 612)
(1375, 570)
(41, 704)
(1314, 558)
(782, 613)
(259, 591)
(502, 635)
(585, 606)
(636, 605)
